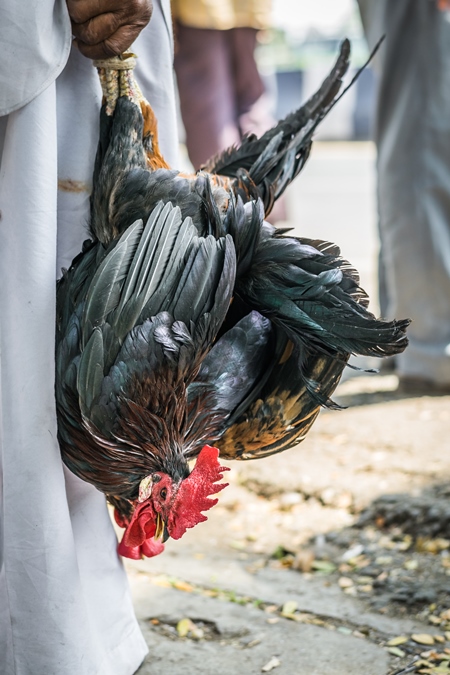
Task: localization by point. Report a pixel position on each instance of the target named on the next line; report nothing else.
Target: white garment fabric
(65, 606)
(35, 36)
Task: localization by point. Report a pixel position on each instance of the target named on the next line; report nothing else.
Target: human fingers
(105, 28)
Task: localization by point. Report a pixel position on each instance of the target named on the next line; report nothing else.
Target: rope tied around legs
(117, 79)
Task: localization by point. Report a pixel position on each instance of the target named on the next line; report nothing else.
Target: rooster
(188, 323)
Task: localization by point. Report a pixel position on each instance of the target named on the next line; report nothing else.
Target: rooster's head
(167, 508)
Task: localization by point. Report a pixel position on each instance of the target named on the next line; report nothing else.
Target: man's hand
(105, 28)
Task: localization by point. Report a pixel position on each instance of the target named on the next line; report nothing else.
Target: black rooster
(188, 321)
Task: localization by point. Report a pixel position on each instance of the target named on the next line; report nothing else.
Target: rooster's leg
(117, 79)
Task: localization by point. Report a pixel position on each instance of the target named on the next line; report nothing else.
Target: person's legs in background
(413, 141)
(206, 89)
(253, 104)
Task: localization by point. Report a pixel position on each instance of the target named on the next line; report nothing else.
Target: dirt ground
(331, 558)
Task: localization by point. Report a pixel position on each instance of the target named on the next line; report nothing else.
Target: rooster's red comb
(193, 493)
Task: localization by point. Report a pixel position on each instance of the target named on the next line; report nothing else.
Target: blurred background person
(408, 105)
(412, 134)
(222, 95)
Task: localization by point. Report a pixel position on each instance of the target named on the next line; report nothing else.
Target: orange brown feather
(155, 160)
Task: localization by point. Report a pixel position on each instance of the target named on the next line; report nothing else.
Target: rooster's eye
(163, 493)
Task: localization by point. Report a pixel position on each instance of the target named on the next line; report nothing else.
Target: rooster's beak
(161, 529)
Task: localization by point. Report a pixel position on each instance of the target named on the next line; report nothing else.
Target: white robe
(65, 607)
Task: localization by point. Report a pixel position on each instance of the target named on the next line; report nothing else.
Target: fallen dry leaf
(368, 588)
(161, 581)
(317, 622)
(270, 609)
(303, 561)
(361, 580)
(395, 651)
(423, 663)
(435, 620)
(358, 634)
(303, 617)
(289, 608)
(270, 665)
(352, 552)
(344, 630)
(425, 545)
(383, 560)
(411, 564)
(423, 638)
(437, 656)
(323, 566)
(184, 626)
(183, 586)
(400, 640)
(359, 562)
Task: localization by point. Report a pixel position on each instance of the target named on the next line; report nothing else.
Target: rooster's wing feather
(272, 161)
(284, 411)
(143, 321)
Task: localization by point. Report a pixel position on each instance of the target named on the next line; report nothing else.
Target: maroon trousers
(221, 91)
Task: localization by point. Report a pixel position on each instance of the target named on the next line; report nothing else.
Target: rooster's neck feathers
(158, 434)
